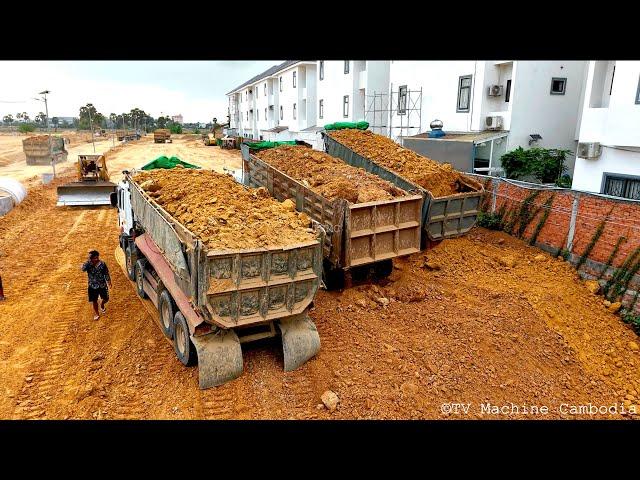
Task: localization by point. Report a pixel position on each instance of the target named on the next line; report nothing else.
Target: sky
(195, 89)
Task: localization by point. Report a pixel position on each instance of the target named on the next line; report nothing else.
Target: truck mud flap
(219, 358)
(300, 340)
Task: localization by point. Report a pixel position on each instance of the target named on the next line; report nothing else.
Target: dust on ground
(439, 178)
(328, 176)
(476, 319)
(224, 214)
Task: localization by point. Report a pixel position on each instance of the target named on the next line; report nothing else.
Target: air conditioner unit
(493, 122)
(495, 90)
(589, 150)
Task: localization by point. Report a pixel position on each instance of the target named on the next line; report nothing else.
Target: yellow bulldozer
(92, 186)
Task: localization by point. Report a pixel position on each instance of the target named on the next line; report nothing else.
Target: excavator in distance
(92, 186)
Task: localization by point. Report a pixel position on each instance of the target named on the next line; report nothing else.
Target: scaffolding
(395, 114)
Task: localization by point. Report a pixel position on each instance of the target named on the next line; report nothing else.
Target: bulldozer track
(218, 403)
(41, 386)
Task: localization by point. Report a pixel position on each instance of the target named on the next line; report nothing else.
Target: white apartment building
(514, 103)
(528, 103)
(609, 130)
(177, 119)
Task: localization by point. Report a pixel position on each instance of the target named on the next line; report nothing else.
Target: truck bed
(232, 288)
(357, 234)
(442, 217)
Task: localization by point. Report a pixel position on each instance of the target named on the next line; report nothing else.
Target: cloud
(21, 81)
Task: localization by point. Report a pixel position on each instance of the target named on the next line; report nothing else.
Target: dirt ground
(328, 176)
(119, 157)
(483, 319)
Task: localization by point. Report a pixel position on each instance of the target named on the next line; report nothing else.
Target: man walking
(98, 274)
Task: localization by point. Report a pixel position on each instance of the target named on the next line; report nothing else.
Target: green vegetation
(633, 320)
(492, 221)
(546, 165)
(545, 215)
(27, 127)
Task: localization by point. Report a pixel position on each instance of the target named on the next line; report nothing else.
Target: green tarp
(342, 125)
(166, 162)
(265, 144)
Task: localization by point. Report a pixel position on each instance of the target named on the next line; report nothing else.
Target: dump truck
(442, 217)
(368, 234)
(127, 135)
(92, 186)
(161, 135)
(212, 301)
(44, 149)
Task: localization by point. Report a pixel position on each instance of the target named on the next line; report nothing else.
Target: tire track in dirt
(218, 403)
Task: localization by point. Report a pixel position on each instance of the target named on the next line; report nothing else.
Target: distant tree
(86, 112)
(54, 121)
(8, 119)
(114, 119)
(41, 119)
(25, 117)
(162, 122)
(19, 116)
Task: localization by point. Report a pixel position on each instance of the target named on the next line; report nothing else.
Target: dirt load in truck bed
(224, 214)
(439, 178)
(329, 176)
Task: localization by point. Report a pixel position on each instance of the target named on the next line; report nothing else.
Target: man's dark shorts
(94, 292)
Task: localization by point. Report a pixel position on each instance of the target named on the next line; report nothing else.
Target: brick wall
(582, 211)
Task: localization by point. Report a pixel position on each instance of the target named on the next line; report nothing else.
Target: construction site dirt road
(483, 320)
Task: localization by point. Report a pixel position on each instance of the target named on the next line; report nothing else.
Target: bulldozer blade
(85, 193)
(300, 340)
(219, 358)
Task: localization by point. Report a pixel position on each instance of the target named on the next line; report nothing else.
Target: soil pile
(329, 176)
(224, 214)
(439, 178)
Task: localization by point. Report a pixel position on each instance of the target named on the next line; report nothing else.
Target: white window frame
(564, 86)
(345, 106)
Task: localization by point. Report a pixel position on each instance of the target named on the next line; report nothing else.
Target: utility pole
(91, 127)
(46, 109)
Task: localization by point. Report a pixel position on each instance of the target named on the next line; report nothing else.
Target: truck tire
(139, 270)
(383, 269)
(166, 310)
(185, 350)
(130, 262)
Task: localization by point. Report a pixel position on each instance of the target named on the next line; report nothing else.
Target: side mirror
(113, 198)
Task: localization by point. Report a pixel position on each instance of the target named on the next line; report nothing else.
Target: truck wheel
(383, 269)
(140, 278)
(128, 255)
(167, 311)
(185, 350)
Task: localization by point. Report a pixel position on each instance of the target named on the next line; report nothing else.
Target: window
(294, 111)
(617, 185)
(346, 66)
(464, 93)
(507, 95)
(265, 89)
(402, 100)
(246, 94)
(266, 117)
(558, 86)
(281, 113)
(321, 109)
(638, 93)
(294, 79)
(247, 116)
(321, 69)
(345, 106)
(280, 83)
